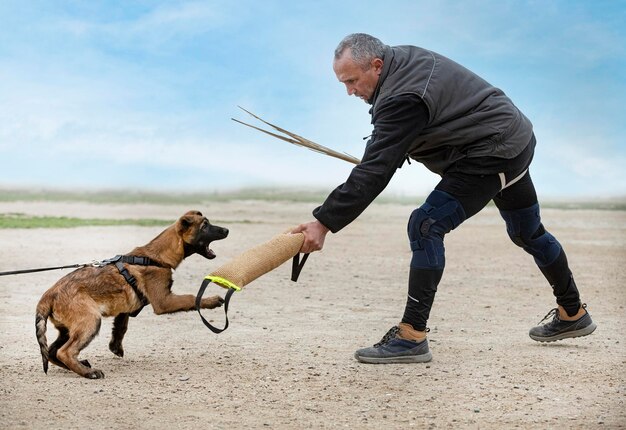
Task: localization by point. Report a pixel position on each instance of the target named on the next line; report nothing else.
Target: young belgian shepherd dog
(78, 301)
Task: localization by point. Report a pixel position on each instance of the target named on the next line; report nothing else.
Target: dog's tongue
(209, 253)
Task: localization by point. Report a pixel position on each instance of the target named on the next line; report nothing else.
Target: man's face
(358, 81)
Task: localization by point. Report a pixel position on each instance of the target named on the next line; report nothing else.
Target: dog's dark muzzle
(219, 232)
(202, 246)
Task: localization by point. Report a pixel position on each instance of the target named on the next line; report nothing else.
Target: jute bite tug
(251, 265)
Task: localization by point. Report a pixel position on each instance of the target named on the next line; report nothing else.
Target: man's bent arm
(396, 125)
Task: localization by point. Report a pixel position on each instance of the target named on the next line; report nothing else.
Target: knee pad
(427, 227)
(526, 231)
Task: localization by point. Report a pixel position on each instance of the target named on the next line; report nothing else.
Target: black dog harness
(119, 261)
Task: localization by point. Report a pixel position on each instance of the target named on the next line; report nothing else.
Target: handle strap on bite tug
(296, 268)
(231, 289)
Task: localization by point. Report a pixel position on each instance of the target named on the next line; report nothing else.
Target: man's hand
(314, 236)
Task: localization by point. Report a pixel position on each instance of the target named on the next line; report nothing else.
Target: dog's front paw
(212, 302)
(116, 348)
(94, 374)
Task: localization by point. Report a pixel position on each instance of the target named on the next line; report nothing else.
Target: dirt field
(286, 360)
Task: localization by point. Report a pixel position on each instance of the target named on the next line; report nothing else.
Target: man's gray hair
(363, 48)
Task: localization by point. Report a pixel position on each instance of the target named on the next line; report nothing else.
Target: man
(430, 109)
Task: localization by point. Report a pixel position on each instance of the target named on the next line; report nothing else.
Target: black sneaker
(557, 329)
(393, 349)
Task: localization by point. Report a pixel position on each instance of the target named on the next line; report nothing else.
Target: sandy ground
(287, 359)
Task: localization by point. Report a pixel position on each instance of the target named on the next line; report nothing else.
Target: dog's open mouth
(209, 253)
(203, 244)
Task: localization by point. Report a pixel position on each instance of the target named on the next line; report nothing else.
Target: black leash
(43, 269)
(142, 261)
(296, 268)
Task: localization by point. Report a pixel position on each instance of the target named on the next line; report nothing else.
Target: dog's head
(198, 233)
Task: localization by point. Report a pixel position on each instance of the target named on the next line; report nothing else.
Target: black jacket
(435, 111)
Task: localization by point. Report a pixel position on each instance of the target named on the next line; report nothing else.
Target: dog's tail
(44, 310)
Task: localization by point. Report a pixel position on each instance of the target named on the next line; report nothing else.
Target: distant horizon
(308, 195)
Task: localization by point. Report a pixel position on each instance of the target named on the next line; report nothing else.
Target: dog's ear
(186, 221)
(192, 214)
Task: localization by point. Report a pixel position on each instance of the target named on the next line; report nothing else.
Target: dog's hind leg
(58, 343)
(87, 328)
(120, 325)
(64, 336)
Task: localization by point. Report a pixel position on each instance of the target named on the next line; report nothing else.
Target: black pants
(474, 192)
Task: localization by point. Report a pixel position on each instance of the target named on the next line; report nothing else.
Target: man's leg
(456, 198)
(440, 214)
(470, 193)
(519, 208)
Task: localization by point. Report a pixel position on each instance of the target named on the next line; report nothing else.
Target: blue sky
(140, 95)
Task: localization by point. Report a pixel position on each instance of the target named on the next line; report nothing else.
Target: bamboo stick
(298, 140)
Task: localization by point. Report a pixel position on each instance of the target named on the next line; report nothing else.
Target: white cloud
(181, 18)
(574, 161)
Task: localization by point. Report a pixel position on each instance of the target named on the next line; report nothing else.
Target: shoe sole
(422, 358)
(585, 331)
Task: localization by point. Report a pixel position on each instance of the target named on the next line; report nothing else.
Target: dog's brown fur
(76, 303)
